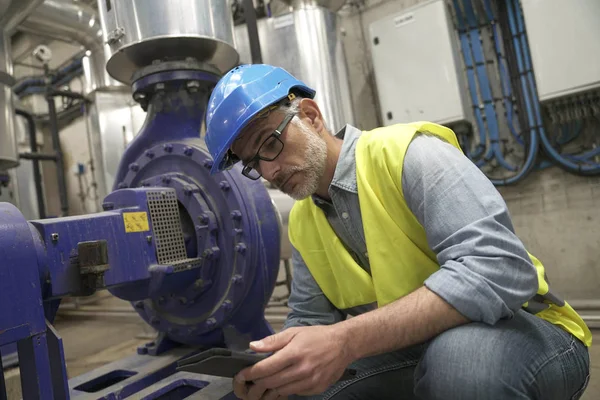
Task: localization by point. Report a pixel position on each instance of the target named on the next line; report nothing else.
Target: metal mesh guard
(164, 212)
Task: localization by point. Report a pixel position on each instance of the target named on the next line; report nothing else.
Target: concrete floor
(93, 342)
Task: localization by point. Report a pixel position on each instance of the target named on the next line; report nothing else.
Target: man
(397, 228)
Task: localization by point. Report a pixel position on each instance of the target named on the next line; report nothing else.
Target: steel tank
(307, 43)
(140, 32)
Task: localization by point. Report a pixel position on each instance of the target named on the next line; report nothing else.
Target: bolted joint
(227, 305)
(159, 87)
(224, 185)
(198, 284)
(237, 279)
(188, 190)
(168, 147)
(135, 167)
(208, 163)
(108, 206)
(149, 154)
(240, 248)
(188, 151)
(236, 215)
(207, 254)
(216, 252)
(203, 218)
(149, 239)
(193, 86)
(210, 322)
(166, 180)
(54, 237)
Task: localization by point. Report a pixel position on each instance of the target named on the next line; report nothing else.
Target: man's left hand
(306, 360)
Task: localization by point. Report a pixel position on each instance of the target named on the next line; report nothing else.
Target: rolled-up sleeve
(486, 273)
(307, 302)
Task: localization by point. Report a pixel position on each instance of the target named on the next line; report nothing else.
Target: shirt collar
(344, 176)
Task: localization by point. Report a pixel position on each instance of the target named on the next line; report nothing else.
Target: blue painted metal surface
(225, 276)
(147, 377)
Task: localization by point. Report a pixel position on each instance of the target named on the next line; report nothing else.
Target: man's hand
(307, 360)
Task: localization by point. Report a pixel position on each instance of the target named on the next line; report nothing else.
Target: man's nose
(269, 169)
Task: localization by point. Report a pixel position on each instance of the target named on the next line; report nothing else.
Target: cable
(568, 165)
(470, 71)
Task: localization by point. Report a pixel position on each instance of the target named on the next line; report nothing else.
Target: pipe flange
(216, 205)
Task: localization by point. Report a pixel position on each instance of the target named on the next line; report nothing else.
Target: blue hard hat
(242, 93)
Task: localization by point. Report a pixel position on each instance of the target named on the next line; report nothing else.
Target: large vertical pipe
(8, 145)
(60, 164)
(37, 175)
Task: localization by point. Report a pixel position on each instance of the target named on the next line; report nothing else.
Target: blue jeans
(521, 358)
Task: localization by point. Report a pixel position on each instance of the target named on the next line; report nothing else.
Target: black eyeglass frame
(253, 164)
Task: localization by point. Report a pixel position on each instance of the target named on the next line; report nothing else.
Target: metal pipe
(38, 156)
(37, 176)
(250, 17)
(12, 13)
(60, 165)
(69, 94)
(75, 22)
(66, 19)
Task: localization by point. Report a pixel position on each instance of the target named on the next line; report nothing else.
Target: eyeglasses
(269, 150)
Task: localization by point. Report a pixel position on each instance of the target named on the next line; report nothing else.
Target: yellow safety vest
(399, 256)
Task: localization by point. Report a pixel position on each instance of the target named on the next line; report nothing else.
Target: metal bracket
(115, 35)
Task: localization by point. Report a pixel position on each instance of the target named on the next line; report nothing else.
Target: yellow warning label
(136, 222)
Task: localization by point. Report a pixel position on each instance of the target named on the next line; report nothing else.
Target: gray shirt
(485, 271)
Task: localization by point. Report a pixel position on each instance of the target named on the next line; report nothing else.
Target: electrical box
(564, 41)
(418, 69)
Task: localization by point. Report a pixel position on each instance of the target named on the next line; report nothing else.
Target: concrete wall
(556, 216)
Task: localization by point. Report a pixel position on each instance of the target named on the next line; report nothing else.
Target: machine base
(147, 377)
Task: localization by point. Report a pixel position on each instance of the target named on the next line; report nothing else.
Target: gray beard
(315, 159)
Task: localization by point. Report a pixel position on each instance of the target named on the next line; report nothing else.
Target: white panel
(564, 40)
(417, 67)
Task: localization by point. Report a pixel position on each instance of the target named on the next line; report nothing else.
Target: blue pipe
(583, 157)
(485, 89)
(533, 143)
(504, 80)
(481, 146)
(552, 153)
(38, 84)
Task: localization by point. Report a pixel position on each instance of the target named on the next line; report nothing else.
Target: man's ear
(310, 112)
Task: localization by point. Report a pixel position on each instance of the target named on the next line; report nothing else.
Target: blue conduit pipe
(486, 92)
(37, 84)
(534, 141)
(516, 19)
(565, 133)
(504, 78)
(470, 70)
